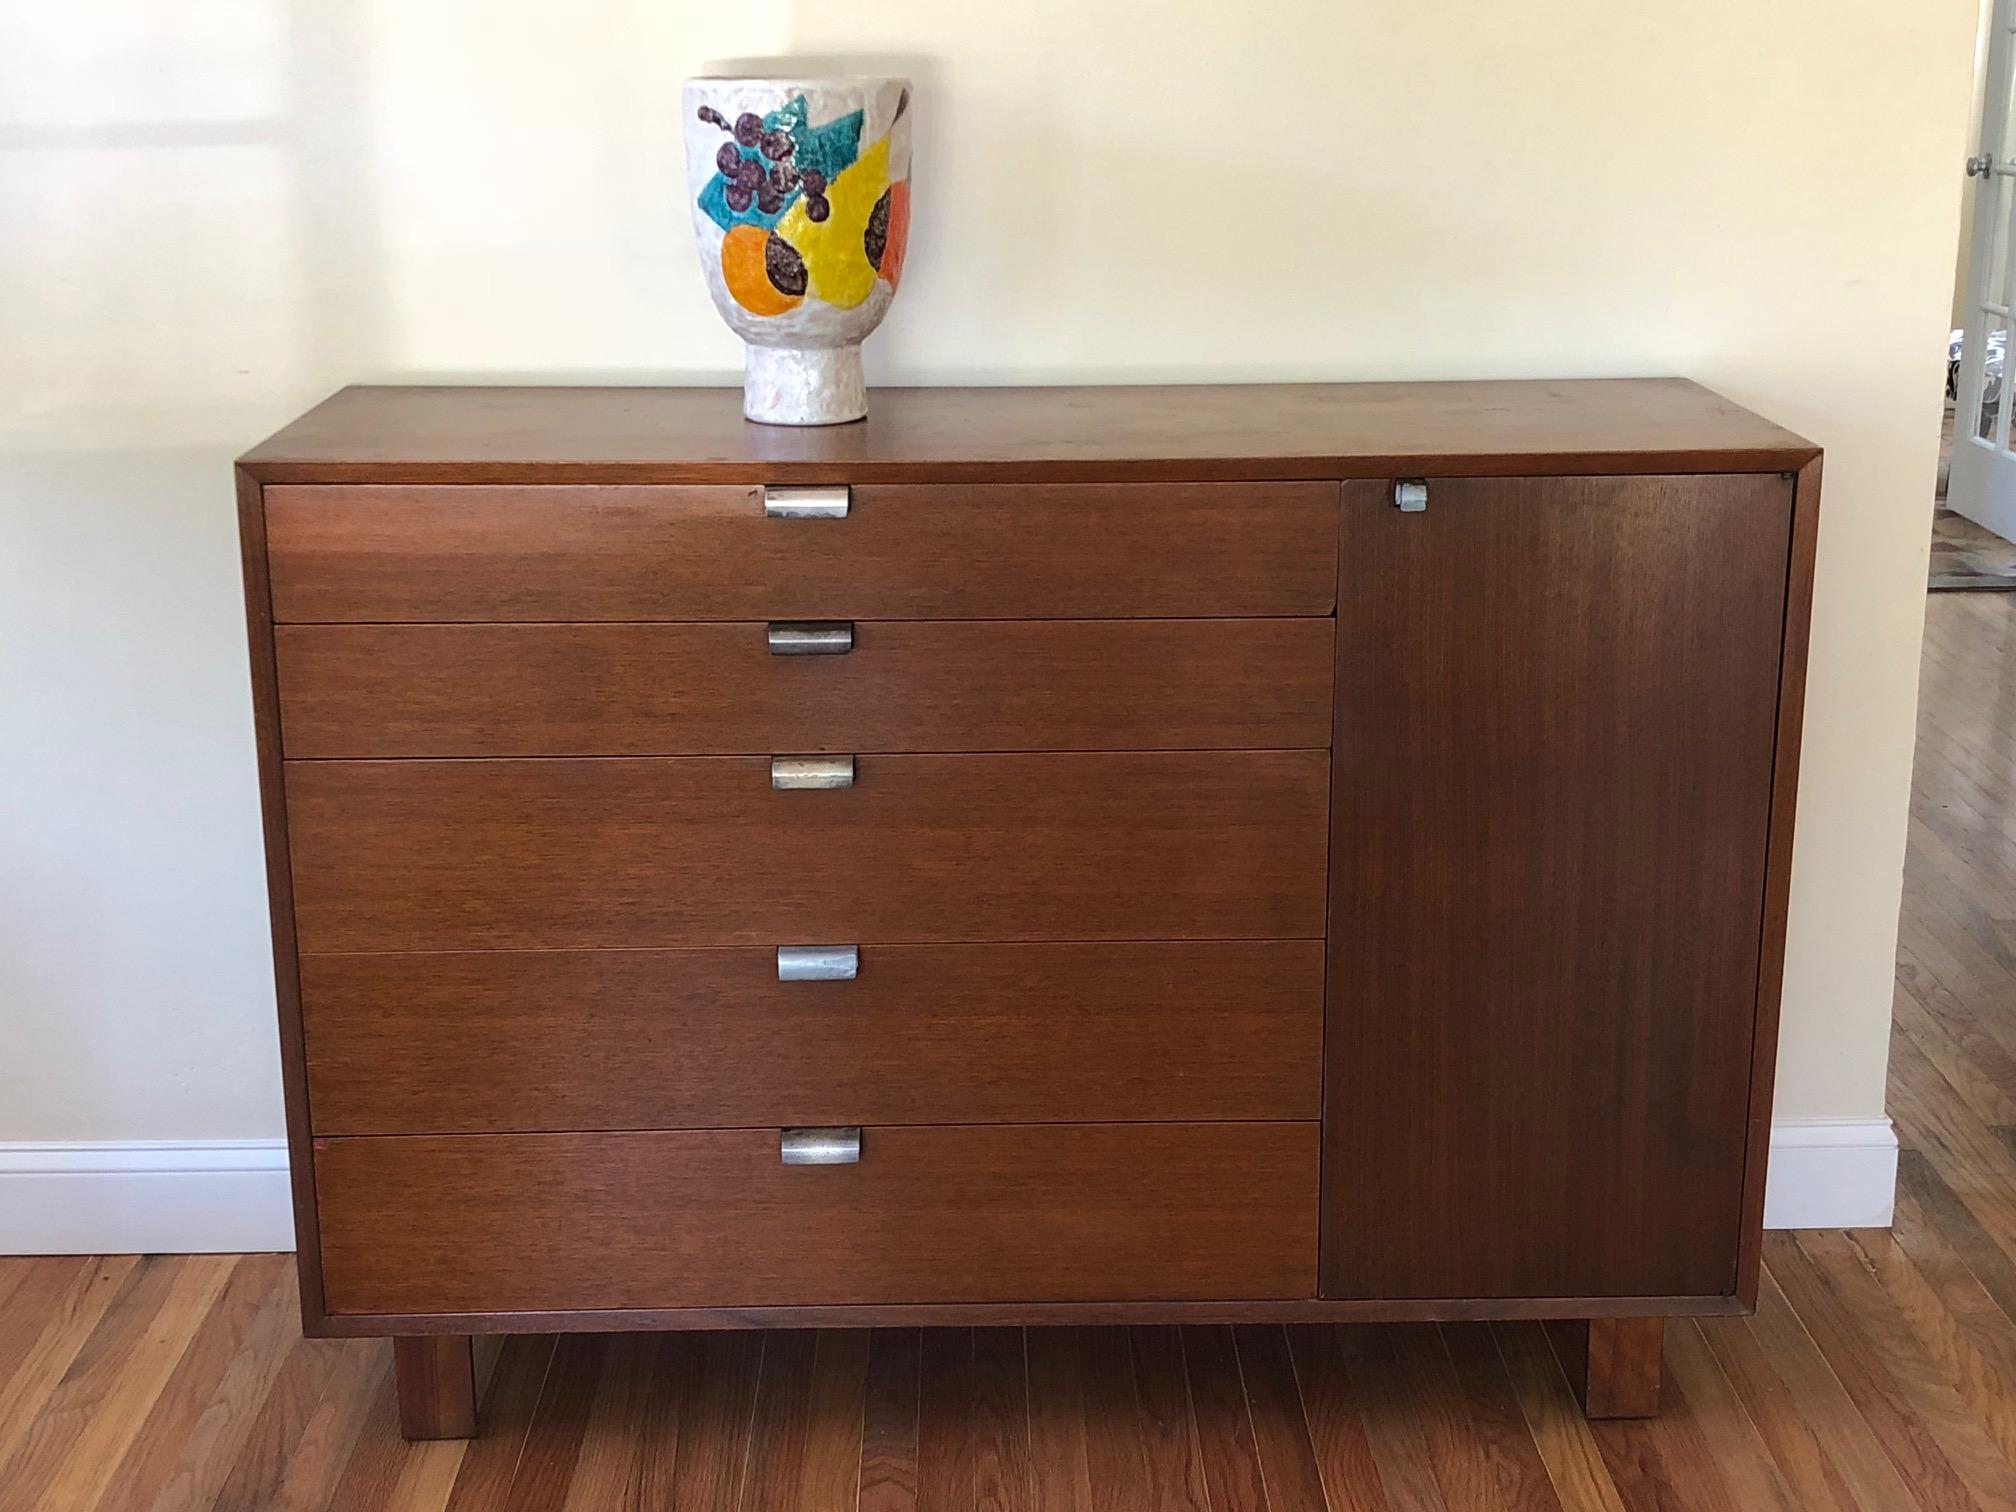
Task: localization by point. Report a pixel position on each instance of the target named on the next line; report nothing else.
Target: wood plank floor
(1879, 1374)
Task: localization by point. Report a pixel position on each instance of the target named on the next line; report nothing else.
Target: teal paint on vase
(826, 150)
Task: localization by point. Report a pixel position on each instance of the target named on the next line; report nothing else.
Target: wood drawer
(701, 689)
(497, 1041)
(939, 551)
(711, 1218)
(446, 855)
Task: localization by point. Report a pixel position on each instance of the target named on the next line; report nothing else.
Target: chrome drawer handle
(824, 503)
(788, 773)
(811, 637)
(820, 1146)
(818, 963)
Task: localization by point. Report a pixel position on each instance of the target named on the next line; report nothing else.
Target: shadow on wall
(136, 996)
(189, 198)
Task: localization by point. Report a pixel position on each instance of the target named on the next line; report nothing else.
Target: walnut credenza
(1035, 856)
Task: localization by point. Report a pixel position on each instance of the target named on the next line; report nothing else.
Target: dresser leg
(1614, 1364)
(436, 1375)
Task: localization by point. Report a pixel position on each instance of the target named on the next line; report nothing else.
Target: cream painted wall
(213, 212)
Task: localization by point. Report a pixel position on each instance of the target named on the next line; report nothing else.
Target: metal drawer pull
(820, 1146)
(825, 503)
(818, 963)
(792, 772)
(811, 637)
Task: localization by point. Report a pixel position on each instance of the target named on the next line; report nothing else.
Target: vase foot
(803, 385)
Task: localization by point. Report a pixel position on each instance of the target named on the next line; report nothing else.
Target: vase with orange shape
(801, 204)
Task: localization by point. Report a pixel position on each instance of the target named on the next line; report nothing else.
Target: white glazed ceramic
(801, 203)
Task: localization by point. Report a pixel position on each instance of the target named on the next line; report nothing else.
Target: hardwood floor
(1879, 1374)
(1967, 556)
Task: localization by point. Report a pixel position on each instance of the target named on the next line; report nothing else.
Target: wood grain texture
(711, 1462)
(196, 1426)
(1799, 569)
(904, 552)
(1557, 710)
(436, 1377)
(1758, 1419)
(1502, 1437)
(1221, 1411)
(1424, 1377)
(70, 1450)
(442, 855)
(1616, 1364)
(47, 1322)
(1206, 431)
(1280, 1426)
(253, 558)
(467, 1042)
(651, 690)
(890, 1418)
(1054, 745)
(1028, 1314)
(1564, 1439)
(712, 1218)
(1368, 1449)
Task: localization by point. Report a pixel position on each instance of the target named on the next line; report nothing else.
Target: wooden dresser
(1034, 856)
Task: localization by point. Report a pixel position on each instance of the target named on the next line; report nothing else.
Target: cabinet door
(1556, 709)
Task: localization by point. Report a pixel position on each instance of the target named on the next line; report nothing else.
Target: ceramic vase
(801, 203)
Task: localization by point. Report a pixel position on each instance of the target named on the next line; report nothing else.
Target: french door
(1983, 480)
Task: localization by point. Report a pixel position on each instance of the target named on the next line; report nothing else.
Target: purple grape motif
(773, 161)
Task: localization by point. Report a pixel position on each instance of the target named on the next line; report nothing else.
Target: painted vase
(801, 203)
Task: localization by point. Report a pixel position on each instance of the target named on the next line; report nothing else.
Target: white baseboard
(1831, 1173)
(225, 1195)
(145, 1197)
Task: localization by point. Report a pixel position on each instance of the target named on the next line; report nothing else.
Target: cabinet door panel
(1556, 709)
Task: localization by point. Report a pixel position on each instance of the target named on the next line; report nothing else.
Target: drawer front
(701, 689)
(713, 1218)
(468, 1042)
(950, 551)
(446, 855)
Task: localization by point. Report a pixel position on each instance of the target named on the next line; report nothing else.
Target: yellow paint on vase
(836, 263)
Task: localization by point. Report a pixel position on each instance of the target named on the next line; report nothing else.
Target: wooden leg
(1614, 1363)
(436, 1375)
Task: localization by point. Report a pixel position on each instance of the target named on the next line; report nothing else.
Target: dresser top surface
(500, 434)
